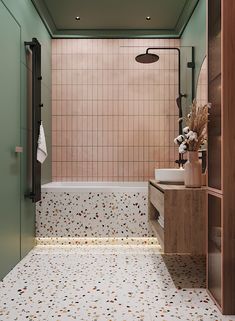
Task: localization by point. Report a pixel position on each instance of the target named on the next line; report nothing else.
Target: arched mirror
(202, 84)
(202, 99)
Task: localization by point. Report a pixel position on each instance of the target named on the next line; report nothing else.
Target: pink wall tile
(112, 118)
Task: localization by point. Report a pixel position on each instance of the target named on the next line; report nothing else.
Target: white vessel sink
(169, 175)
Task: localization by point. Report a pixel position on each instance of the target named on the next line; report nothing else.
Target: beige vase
(193, 171)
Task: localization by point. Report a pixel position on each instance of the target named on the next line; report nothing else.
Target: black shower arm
(179, 64)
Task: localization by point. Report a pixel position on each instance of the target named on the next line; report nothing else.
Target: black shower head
(147, 58)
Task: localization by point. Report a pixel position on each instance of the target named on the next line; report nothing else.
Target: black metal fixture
(148, 18)
(77, 18)
(147, 58)
(35, 47)
(150, 58)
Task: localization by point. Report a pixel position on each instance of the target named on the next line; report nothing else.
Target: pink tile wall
(112, 119)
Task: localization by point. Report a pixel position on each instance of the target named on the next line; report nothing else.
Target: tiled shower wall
(113, 118)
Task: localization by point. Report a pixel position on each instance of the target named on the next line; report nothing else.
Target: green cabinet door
(9, 139)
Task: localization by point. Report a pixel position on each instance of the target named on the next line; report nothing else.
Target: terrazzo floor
(106, 283)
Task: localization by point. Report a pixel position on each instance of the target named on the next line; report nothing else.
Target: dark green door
(9, 139)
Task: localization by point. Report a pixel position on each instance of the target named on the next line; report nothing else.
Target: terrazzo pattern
(136, 241)
(100, 283)
(92, 214)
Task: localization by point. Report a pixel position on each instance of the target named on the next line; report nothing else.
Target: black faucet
(181, 161)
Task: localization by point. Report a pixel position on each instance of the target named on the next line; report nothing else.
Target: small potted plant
(193, 137)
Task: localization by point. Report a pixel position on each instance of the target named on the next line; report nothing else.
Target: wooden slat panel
(214, 255)
(228, 154)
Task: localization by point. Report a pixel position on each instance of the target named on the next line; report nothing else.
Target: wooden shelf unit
(184, 212)
(221, 155)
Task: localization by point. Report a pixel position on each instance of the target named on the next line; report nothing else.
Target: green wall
(31, 26)
(195, 35)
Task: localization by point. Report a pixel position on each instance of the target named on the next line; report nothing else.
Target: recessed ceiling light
(77, 18)
(148, 18)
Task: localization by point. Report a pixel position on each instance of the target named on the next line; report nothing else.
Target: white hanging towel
(42, 146)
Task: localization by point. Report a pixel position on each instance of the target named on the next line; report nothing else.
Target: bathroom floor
(106, 283)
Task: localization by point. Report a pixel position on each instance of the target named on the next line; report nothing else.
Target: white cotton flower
(179, 139)
(176, 141)
(182, 148)
(189, 134)
(186, 130)
(192, 136)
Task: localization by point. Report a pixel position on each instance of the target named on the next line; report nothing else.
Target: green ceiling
(115, 18)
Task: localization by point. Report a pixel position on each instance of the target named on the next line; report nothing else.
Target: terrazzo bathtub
(93, 210)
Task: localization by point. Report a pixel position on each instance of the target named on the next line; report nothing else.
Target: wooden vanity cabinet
(184, 212)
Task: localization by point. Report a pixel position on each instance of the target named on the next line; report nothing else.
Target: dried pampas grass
(195, 132)
(197, 121)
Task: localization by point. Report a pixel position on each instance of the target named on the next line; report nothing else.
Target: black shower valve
(181, 161)
(191, 65)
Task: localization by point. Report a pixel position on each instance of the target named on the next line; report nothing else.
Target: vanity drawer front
(157, 199)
